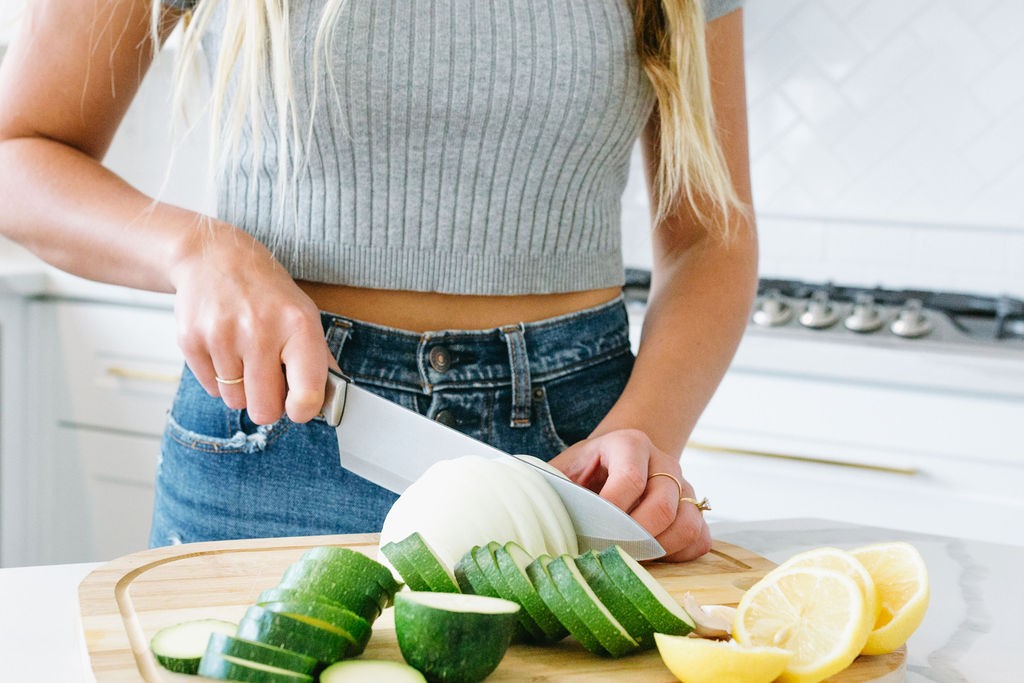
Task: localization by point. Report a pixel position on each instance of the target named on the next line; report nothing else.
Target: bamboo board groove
(124, 602)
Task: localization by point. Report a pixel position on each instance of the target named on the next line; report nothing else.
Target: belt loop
(520, 365)
(337, 334)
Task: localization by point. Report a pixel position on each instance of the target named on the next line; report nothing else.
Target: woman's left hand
(622, 467)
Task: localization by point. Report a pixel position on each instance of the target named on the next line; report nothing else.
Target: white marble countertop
(972, 632)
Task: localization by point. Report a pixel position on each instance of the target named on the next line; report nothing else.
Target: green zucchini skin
(358, 564)
(229, 668)
(354, 589)
(625, 573)
(587, 606)
(615, 600)
(423, 565)
(353, 627)
(280, 630)
(452, 646)
(559, 606)
(528, 630)
(404, 565)
(222, 644)
(526, 593)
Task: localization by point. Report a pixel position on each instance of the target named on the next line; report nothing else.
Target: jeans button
(440, 359)
(445, 417)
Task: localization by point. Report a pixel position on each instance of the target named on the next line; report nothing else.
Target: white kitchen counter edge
(971, 633)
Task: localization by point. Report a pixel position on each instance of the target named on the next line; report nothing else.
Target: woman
(425, 194)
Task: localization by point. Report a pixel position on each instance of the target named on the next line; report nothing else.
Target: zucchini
(376, 670)
(559, 606)
(614, 599)
(658, 607)
(453, 636)
(471, 579)
(278, 594)
(528, 629)
(288, 632)
(357, 563)
(353, 588)
(348, 624)
(261, 653)
(414, 552)
(231, 668)
(179, 647)
(512, 561)
(588, 607)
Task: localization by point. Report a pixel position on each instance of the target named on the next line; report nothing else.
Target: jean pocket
(204, 423)
(574, 404)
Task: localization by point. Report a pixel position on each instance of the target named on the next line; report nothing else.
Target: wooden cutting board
(126, 601)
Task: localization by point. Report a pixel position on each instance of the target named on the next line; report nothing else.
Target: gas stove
(876, 316)
(935, 319)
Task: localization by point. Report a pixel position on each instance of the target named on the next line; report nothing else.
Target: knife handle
(334, 398)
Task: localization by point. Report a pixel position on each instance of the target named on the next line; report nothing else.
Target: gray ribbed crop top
(480, 147)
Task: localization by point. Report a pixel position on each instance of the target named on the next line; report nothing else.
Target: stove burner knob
(911, 322)
(772, 311)
(865, 316)
(819, 313)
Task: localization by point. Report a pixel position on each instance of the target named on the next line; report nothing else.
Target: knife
(392, 446)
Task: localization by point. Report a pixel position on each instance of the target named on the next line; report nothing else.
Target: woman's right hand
(241, 315)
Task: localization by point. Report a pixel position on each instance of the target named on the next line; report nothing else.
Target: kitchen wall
(886, 143)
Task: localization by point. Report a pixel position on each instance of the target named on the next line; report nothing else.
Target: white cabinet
(103, 377)
(914, 441)
(15, 462)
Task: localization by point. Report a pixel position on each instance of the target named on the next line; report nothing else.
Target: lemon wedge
(820, 615)
(841, 561)
(901, 581)
(696, 660)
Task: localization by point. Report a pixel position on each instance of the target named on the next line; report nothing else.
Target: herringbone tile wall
(887, 142)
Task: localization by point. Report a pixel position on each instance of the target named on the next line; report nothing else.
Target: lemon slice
(696, 660)
(901, 580)
(841, 561)
(819, 615)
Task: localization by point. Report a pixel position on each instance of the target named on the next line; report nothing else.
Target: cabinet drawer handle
(905, 471)
(143, 375)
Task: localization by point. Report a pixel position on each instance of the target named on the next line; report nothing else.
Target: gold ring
(666, 474)
(221, 380)
(702, 505)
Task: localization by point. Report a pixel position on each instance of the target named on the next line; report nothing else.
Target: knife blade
(392, 446)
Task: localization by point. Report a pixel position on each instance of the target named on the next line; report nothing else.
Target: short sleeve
(719, 8)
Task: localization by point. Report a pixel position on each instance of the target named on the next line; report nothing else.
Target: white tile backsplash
(886, 143)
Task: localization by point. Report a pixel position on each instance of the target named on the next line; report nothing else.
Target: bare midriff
(423, 311)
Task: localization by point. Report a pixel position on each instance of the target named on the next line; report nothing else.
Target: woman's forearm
(696, 314)
(80, 217)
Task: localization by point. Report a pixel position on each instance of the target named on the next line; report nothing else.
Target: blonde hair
(253, 71)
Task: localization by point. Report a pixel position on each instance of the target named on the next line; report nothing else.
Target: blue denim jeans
(528, 388)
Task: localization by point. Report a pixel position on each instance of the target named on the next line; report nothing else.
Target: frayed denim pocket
(239, 442)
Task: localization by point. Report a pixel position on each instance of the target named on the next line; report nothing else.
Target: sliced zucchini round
(375, 670)
(179, 647)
